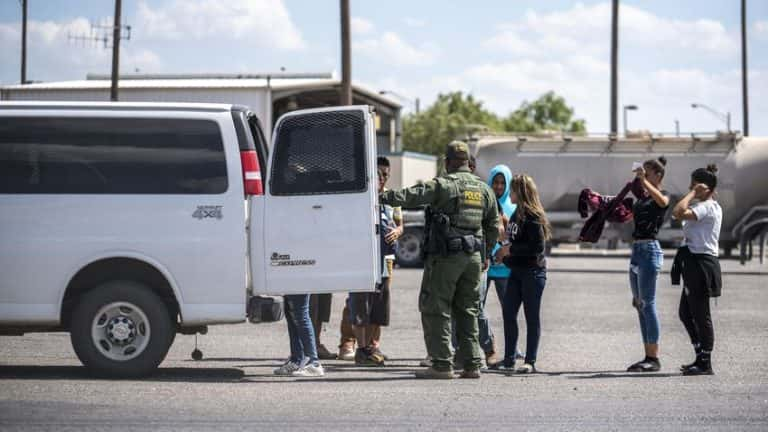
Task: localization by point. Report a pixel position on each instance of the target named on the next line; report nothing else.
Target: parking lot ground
(590, 334)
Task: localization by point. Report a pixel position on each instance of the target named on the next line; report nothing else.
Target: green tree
(549, 112)
(457, 115)
(452, 116)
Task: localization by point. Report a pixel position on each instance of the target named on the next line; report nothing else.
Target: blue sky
(504, 52)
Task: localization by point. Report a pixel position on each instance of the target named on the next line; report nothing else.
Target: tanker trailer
(563, 165)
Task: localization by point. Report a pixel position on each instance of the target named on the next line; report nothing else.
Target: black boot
(702, 365)
(696, 348)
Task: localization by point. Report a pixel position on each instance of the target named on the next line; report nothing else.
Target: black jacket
(526, 244)
(697, 271)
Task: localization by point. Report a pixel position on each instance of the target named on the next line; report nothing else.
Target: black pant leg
(686, 317)
(698, 299)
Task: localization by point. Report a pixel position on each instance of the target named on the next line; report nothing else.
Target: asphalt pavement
(590, 335)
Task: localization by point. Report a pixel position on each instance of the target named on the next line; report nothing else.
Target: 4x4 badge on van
(204, 212)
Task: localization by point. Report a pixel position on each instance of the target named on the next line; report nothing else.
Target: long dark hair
(707, 175)
(657, 165)
(528, 202)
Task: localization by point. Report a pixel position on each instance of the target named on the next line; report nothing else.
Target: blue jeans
(644, 267)
(525, 287)
(300, 331)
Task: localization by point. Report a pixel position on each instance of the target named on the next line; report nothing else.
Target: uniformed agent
(462, 226)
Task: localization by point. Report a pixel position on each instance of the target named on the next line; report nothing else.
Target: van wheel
(121, 329)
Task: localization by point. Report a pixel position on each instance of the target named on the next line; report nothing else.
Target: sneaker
(645, 365)
(287, 369)
(431, 373)
(526, 368)
(503, 366)
(378, 352)
(470, 374)
(702, 366)
(324, 354)
(368, 358)
(427, 362)
(310, 370)
(697, 370)
(346, 353)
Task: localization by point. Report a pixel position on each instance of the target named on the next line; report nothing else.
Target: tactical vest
(458, 226)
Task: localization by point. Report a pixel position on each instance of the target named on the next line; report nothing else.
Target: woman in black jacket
(523, 253)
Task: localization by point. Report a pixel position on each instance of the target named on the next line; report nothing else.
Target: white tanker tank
(564, 165)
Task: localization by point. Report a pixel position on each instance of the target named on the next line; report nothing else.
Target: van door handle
(317, 207)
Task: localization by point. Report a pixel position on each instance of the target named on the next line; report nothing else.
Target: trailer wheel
(409, 247)
(121, 329)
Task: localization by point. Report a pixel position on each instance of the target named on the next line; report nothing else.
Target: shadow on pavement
(327, 379)
(173, 374)
(627, 375)
(235, 359)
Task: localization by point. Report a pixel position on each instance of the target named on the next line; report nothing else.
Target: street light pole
(614, 65)
(726, 118)
(627, 108)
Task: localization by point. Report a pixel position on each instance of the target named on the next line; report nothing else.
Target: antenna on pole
(110, 36)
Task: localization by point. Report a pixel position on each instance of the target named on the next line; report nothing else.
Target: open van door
(319, 212)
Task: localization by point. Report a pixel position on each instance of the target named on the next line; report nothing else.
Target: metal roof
(140, 106)
(275, 84)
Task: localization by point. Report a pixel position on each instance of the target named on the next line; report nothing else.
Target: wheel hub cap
(121, 330)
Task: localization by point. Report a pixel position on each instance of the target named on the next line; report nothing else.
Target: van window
(60, 155)
(319, 153)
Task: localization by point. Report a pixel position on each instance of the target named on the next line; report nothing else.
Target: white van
(125, 223)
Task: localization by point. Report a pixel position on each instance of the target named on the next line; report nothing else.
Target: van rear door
(319, 211)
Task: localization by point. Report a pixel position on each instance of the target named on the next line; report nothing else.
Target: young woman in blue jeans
(647, 259)
(523, 252)
(304, 361)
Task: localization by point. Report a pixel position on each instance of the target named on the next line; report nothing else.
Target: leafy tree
(452, 116)
(456, 116)
(547, 113)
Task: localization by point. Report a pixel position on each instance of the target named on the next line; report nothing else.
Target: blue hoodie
(501, 270)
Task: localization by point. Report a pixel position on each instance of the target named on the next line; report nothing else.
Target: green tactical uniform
(462, 228)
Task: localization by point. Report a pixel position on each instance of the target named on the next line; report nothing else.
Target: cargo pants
(449, 288)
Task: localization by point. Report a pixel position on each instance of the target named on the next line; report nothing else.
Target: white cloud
(391, 48)
(266, 22)
(760, 28)
(586, 29)
(361, 26)
(414, 22)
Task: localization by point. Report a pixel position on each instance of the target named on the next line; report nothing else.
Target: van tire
(121, 329)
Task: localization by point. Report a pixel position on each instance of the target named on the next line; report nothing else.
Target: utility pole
(346, 57)
(116, 34)
(614, 66)
(23, 41)
(744, 88)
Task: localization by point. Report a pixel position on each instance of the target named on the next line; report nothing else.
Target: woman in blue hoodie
(499, 180)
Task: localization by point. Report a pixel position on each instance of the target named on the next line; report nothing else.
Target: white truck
(126, 223)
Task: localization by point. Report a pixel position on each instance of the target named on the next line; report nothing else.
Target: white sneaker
(526, 368)
(427, 362)
(310, 370)
(287, 369)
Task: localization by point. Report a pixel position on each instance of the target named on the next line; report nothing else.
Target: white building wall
(407, 169)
